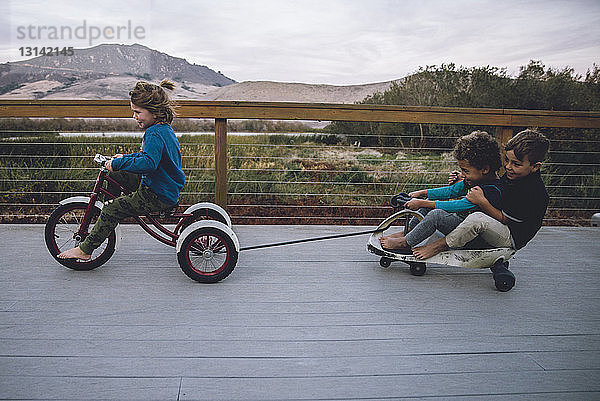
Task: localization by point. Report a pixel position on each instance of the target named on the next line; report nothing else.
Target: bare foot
(74, 253)
(394, 241)
(429, 250)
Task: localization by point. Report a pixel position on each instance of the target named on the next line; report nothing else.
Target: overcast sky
(319, 41)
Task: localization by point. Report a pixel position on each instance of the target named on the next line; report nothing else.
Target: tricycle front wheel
(63, 232)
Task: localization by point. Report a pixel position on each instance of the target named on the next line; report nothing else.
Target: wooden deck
(311, 321)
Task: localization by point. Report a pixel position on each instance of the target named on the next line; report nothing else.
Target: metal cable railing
(306, 182)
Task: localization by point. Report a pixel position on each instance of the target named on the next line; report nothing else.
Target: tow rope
(247, 248)
(397, 201)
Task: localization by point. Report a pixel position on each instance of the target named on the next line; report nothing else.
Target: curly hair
(480, 149)
(155, 99)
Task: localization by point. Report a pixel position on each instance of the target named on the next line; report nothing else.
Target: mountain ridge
(108, 71)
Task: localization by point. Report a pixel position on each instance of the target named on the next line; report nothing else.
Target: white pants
(480, 224)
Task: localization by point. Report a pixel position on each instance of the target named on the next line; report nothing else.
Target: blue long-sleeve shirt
(159, 163)
(445, 197)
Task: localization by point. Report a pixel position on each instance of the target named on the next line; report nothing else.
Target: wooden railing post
(503, 134)
(221, 162)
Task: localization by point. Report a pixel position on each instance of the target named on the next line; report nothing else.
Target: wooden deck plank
(310, 321)
(269, 367)
(392, 387)
(89, 388)
(395, 387)
(298, 330)
(291, 348)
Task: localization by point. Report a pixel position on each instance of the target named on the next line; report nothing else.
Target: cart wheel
(417, 268)
(207, 255)
(385, 262)
(504, 279)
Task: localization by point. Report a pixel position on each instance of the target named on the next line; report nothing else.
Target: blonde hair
(155, 99)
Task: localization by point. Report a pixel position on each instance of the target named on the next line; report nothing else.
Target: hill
(109, 71)
(295, 92)
(103, 72)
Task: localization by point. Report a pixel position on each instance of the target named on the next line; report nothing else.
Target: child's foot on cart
(74, 253)
(430, 250)
(395, 243)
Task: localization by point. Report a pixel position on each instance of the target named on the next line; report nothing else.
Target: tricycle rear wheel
(203, 214)
(207, 255)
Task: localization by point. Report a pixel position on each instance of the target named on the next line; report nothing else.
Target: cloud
(343, 41)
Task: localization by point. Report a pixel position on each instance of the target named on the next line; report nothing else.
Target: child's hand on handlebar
(414, 204)
(108, 164)
(418, 194)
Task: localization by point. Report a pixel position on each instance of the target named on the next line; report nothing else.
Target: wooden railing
(503, 119)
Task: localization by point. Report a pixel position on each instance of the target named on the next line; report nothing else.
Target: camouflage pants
(140, 202)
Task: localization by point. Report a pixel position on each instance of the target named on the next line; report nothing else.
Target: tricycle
(207, 248)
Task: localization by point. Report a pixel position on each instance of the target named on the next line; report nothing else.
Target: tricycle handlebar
(100, 159)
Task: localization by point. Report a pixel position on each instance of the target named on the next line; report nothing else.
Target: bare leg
(429, 250)
(74, 253)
